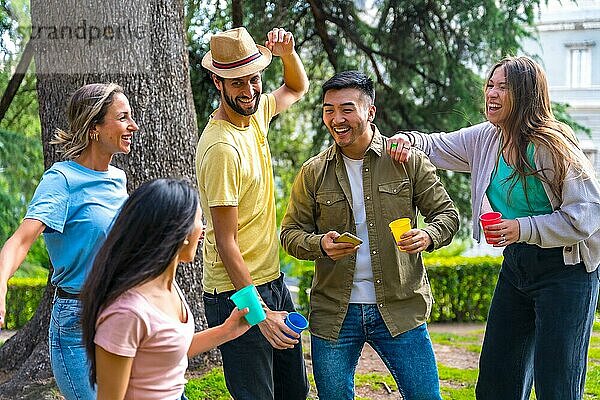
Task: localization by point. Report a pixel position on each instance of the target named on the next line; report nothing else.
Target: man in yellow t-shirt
(235, 181)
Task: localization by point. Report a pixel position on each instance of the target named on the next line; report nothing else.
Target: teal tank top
(507, 195)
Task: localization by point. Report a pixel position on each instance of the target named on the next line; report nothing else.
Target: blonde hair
(86, 108)
(531, 120)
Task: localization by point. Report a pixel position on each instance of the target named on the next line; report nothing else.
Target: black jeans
(538, 328)
(254, 370)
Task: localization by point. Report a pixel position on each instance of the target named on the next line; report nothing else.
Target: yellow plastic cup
(399, 227)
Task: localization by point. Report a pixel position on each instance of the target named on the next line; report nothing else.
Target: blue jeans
(67, 353)
(253, 369)
(538, 328)
(409, 357)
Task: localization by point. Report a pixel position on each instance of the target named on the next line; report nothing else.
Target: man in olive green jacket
(376, 292)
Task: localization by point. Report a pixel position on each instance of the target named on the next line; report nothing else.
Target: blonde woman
(73, 206)
(528, 166)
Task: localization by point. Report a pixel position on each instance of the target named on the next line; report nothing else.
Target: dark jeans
(538, 327)
(253, 369)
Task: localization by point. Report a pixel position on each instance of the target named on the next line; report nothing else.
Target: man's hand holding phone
(338, 246)
(347, 237)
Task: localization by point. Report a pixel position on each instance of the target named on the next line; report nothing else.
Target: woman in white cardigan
(528, 166)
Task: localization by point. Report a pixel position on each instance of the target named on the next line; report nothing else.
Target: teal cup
(247, 297)
(296, 322)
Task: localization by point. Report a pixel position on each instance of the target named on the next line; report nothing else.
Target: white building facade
(568, 47)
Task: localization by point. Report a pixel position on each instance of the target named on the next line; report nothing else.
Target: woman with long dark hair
(73, 206)
(137, 328)
(527, 165)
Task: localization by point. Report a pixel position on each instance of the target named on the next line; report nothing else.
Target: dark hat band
(236, 64)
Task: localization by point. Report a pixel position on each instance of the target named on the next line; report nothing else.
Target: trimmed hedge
(22, 299)
(462, 287)
(462, 290)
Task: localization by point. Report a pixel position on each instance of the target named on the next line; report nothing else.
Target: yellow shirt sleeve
(220, 175)
(266, 112)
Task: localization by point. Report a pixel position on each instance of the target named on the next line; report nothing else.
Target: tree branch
(316, 6)
(356, 39)
(237, 15)
(15, 80)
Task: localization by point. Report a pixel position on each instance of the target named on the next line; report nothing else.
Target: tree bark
(141, 46)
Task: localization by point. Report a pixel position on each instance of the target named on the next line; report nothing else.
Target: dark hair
(144, 240)
(86, 108)
(351, 80)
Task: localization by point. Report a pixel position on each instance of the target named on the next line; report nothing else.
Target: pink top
(132, 327)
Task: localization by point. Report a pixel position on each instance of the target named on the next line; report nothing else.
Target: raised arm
(13, 253)
(295, 82)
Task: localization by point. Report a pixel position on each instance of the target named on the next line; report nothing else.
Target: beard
(232, 102)
(356, 131)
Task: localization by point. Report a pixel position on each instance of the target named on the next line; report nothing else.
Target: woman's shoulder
(482, 130)
(128, 302)
(76, 175)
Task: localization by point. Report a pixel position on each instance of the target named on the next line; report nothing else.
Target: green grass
(209, 387)
(592, 382)
(455, 383)
(375, 380)
(470, 342)
(452, 339)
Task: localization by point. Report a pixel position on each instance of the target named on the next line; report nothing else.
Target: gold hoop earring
(186, 242)
(94, 136)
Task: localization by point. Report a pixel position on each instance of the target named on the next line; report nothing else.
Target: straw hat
(234, 54)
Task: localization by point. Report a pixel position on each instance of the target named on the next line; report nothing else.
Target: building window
(579, 68)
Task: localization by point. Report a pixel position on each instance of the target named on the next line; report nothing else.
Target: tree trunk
(141, 46)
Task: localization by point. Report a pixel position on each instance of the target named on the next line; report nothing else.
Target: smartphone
(347, 237)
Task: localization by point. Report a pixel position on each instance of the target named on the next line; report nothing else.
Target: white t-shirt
(363, 290)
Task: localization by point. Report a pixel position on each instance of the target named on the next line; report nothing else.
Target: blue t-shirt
(78, 206)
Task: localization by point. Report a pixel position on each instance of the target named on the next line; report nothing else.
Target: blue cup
(296, 322)
(248, 297)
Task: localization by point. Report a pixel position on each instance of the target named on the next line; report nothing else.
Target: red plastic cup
(490, 218)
